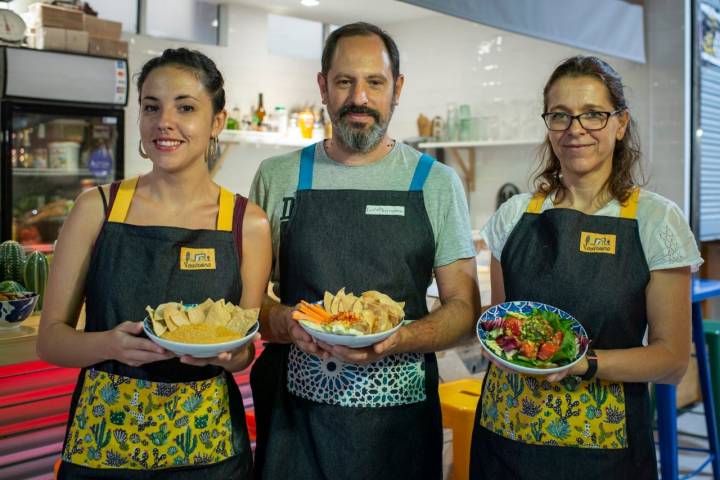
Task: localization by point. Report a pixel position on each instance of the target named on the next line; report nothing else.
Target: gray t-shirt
(277, 178)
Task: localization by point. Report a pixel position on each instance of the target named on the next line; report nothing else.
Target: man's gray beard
(360, 140)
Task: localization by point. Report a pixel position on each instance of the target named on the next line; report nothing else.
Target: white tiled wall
(441, 60)
(442, 64)
(248, 68)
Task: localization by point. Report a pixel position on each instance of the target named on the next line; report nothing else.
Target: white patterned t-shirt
(664, 233)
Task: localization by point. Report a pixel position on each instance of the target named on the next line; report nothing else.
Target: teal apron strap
(307, 159)
(421, 172)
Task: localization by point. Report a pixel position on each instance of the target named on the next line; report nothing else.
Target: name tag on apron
(394, 210)
(597, 242)
(197, 258)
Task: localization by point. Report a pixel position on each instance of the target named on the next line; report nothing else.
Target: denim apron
(325, 419)
(525, 427)
(163, 419)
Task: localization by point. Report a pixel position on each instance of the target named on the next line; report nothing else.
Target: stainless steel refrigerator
(61, 116)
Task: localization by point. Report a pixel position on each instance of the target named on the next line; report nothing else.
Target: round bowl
(199, 350)
(12, 312)
(526, 307)
(352, 341)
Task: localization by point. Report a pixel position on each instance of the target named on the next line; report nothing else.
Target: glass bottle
(260, 113)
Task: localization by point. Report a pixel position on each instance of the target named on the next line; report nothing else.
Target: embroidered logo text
(597, 242)
(197, 258)
(396, 210)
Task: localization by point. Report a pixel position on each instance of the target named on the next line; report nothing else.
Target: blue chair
(665, 396)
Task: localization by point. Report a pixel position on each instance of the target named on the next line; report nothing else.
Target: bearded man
(365, 212)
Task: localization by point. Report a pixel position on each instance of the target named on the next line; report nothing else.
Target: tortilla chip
(327, 300)
(218, 315)
(348, 302)
(159, 327)
(170, 324)
(196, 315)
(179, 318)
(165, 309)
(206, 305)
(243, 320)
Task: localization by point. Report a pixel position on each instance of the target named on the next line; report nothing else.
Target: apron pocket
(393, 380)
(531, 410)
(129, 423)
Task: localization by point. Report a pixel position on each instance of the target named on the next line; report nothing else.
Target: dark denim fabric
(541, 261)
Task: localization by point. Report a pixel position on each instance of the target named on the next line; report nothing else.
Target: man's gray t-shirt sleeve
(447, 207)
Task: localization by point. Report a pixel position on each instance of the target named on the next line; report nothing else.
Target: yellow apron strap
(225, 211)
(629, 208)
(536, 203)
(123, 198)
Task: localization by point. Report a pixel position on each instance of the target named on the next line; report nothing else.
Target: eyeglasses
(559, 121)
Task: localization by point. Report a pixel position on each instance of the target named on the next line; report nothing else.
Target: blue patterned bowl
(526, 307)
(12, 312)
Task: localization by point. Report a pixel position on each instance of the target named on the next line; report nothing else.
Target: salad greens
(541, 339)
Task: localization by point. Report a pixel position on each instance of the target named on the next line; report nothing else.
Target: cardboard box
(106, 47)
(45, 15)
(47, 38)
(99, 28)
(76, 41)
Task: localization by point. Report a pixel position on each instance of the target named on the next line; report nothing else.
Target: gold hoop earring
(212, 151)
(142, 152)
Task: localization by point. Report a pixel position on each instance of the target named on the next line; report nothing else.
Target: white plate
(352, 341)
(198, 350)
(525, 307)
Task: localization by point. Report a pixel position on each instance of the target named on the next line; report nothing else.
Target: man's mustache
(348, 109)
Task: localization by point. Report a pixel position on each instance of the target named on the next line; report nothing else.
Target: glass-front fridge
(58, 138)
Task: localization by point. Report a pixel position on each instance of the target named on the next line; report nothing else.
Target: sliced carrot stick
(317, 308)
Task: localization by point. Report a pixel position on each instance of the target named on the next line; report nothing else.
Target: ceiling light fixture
(309, 3)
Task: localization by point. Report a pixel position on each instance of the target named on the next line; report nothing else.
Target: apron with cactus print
(163, 419)
(594, 268)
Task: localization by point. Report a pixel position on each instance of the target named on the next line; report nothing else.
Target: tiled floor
(691, 433)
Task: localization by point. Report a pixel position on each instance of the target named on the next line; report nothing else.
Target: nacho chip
(196, 315)
(348, 302)
(159, 327)
(218, 315)
(327, 300)
(179, 318)
(372, 312)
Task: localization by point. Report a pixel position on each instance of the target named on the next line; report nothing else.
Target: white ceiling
(340, 12)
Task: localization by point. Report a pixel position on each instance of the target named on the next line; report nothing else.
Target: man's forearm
(441, 329)
(273, 321)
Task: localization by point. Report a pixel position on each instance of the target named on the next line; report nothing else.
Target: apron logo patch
(597, 242)
(197, 258)
(288, 207)
(394, 210)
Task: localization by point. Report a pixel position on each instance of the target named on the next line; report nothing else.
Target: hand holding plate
(127, 347)
(232, 361)
(365, 355)
(303, 340)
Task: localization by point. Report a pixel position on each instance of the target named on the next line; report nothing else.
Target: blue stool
(665, 396)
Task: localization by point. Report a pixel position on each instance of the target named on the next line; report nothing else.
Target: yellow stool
(458, 401)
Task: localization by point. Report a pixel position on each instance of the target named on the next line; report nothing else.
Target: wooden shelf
(263, 138)
(479, 143)
(50, 172)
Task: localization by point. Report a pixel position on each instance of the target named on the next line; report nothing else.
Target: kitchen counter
(17, 345)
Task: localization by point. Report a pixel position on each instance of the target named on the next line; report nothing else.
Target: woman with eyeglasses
(618, 258)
